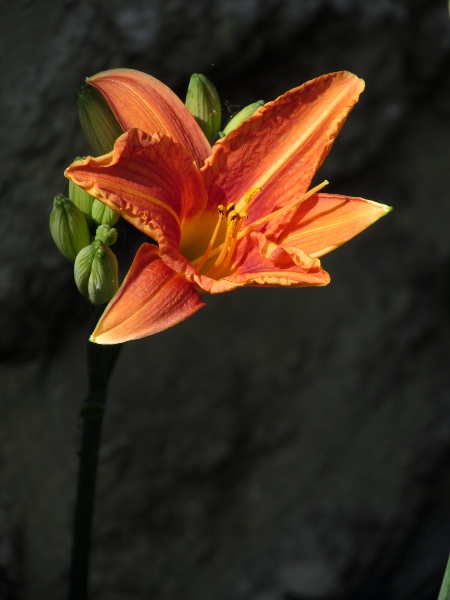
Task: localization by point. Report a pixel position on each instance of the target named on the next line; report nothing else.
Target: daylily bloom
(239, 214)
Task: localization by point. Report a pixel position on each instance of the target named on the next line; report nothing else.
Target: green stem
(101, 361)
(444, 594)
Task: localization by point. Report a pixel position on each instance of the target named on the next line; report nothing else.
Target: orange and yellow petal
(325, 221)
(149, 180)
(152, 298)
(282, 145)
(140, 101)
(260, 262)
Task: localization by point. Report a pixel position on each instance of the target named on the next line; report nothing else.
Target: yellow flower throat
(234, 232)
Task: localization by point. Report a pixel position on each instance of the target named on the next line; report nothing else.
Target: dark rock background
(281, 444)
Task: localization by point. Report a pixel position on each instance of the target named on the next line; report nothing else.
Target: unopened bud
(96, 273)
(106, 235)
(81, 199)
(241, 116)
(102, 214)
(202, 101)
(99, 124)
(68, 227)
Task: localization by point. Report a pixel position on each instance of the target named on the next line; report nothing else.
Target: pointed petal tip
(384, 209)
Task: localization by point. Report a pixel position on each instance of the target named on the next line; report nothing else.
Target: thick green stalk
(444, 594)
(101, 361)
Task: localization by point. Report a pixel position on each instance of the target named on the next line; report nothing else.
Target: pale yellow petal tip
(103, 340)
(388, 209)
(95, 340)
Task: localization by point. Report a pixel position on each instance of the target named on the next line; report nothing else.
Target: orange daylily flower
(239, 214)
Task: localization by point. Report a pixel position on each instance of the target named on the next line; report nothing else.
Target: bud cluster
(72, 224)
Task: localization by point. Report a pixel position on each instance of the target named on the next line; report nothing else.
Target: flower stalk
(101, 362)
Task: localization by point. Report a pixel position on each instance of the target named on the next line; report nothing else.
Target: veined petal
(325, 221)
(152, 298)
(150, 180)
(140, 101)
(282, 145)
(260, 262)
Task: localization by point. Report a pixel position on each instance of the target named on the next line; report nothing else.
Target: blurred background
(280, 444)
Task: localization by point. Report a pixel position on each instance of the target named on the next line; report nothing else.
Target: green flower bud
(102, 214)
(81, 199)
(106, 235)
(96, 273)
(99, 124)
(202, 101)
(242, 115)
(68, 227)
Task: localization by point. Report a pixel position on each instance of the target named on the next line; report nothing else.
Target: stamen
(282, 210)
(233, 225)
(249, 195)
(221, 209)
(231, 249)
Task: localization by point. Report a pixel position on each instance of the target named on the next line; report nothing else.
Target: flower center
(234, 219)
(234, 231)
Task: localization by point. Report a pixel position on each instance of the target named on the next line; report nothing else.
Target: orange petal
(151, 182)
(282, 145)
(259, 262)
(325, 221)
(152, 298)
(142, 102)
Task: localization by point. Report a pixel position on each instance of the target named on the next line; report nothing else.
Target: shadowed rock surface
(280, 444)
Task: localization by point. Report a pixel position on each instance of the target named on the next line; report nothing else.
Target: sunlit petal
(152, 182)
(325, 221)
(152, 298)
(140, 101)
(282, 145)
(259, 262)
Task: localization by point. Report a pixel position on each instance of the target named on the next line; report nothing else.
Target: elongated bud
(106, 235)
(96, 273)
(102, 214)
(242, 115)
(202, 101)
(81, 199)
(68, 227)
(99, 124)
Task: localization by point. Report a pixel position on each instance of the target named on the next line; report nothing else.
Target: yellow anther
(231, 207)
(251, 193)
(233, 219)
(221, 209)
